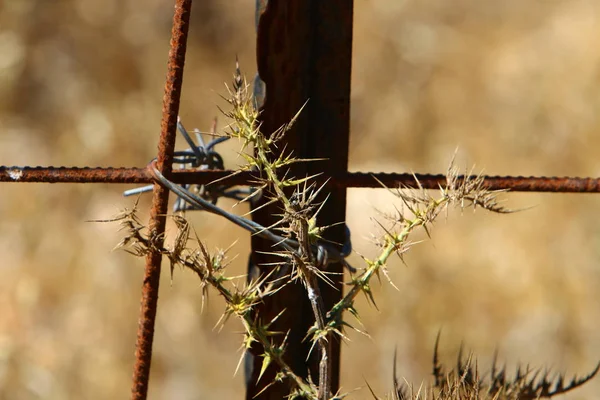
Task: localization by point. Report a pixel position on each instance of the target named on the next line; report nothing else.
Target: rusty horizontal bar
(74, 175)
(512, 183)
(111, 175)
(349, 180)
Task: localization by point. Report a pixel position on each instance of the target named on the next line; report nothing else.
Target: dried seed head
(239, 86)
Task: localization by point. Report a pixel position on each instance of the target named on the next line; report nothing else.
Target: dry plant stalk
(304, 256)
(465, 383)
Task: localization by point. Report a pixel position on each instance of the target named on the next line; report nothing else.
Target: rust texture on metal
(304, 53)
(156, 226)
(74, 175)
(130, 175)
(343, 180)
(428, 181)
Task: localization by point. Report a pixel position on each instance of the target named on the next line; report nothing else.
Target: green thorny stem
(299, 223)
(300, 216)
(299, 212)
(424, 209)
(210, 270)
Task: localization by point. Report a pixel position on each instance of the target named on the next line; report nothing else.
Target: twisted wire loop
(191, 197)
(324, 253)
(200, 157)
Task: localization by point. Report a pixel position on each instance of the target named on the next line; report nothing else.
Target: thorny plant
(465, 383)
(296, 236)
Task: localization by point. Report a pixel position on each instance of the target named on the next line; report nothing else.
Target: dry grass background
(514, 84)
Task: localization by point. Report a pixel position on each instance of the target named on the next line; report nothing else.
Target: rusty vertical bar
(304, 53)
(166, 146)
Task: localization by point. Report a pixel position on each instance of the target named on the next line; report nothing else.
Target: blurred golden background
(512, 84)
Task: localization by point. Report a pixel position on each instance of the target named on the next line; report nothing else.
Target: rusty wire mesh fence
(514, 85)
